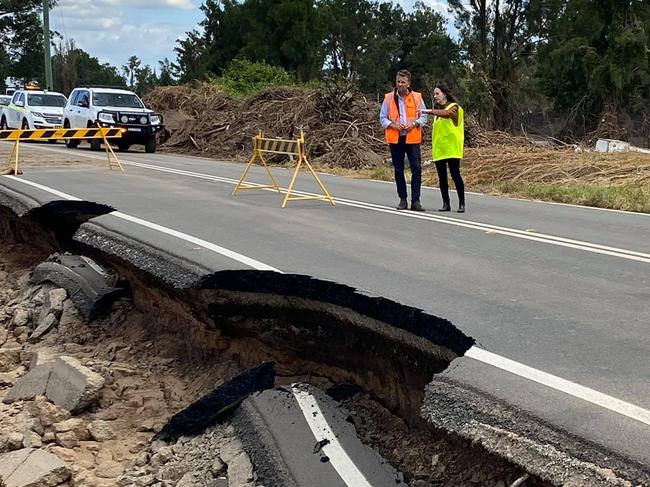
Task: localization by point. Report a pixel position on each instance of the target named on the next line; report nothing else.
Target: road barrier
(59, 134)
(261, 146)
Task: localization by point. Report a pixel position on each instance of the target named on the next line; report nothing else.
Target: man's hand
(410, 126)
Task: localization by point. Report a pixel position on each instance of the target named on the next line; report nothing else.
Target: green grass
(625, 197)
(382, 173)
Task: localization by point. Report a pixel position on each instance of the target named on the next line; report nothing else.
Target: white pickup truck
(33, 109)
(92, 106)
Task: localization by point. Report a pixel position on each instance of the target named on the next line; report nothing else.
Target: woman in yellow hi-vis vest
(448, 141)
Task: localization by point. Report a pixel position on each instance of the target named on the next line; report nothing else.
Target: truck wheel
(25, 125)
(70, 143)
(95, 144)
(123, 146)
(150, 145)
(3, 124)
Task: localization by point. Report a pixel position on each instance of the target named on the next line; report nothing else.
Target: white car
(33, 109)
(4, 100)
(90, 106)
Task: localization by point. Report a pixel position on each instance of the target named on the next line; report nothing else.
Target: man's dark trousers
(412, 151)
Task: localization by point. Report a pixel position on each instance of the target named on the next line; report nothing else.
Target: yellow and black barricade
(261, 146)
(59, 134)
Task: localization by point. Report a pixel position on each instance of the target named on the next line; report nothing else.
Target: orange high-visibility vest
(412, 102)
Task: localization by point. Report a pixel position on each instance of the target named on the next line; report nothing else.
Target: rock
(188, 480)
(145, 480)
(44, 327)
(10, 378)
(76, 425)
(47, 412)
(9, 359)
(71, 385)
(21, 317)
(56, 298)
(240, 468)
(4, 441)
(40, 357)
(142, 459)
(22, 338)
(67, 439)
(32, 384)
(109, 470)
(52, 304)
(26, 358)
(14, 441)
(146, 425)
(21, 330)
(29, 467)
(162, 456)
(3, 335)
(39, 297)
(217, 466)
(49, 437)
(100, 430)
(32, 440)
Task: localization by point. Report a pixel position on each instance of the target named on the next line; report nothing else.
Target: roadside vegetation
(563, 72)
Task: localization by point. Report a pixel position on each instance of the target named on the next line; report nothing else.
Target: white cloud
(114, 30)
(149, 4)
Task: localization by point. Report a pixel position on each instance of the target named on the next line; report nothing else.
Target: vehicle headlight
(106, 117)
(124, 119)
(143, 120)
(155, 119)
(37, 114)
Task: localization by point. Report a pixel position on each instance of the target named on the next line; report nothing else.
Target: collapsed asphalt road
(150, 261)
(293, 434)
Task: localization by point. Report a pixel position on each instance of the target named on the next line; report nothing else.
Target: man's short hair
(404, 73)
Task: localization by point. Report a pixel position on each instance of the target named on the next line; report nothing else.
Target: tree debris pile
(341, 126)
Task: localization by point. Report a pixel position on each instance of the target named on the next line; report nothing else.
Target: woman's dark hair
(445, 89)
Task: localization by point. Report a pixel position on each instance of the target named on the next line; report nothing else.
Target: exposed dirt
(151, 373)
(429, 457)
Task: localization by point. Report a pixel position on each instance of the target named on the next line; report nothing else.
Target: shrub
(243, 78)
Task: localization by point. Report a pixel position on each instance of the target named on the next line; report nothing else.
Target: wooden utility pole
(46, 45)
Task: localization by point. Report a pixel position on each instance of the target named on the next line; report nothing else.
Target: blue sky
(114, 30)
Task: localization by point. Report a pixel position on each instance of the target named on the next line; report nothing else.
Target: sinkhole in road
(163, 348)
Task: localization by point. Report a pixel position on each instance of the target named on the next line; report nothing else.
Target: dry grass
(619, 181)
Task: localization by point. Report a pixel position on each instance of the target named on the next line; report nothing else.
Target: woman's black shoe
(461, 208)
(445, 207)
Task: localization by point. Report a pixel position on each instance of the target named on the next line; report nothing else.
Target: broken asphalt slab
(88, 285)
(297, 436)
(64, 381)
(208, 409)
(32, 467)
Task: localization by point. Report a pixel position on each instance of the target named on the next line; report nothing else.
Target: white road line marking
(205, 159)
(255, 264)
(576, 390)
(495, 229)
(571, 388)
(321, 430)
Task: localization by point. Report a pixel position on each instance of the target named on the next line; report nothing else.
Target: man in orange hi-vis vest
(402, 118)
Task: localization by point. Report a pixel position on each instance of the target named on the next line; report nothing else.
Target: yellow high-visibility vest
(448, 139)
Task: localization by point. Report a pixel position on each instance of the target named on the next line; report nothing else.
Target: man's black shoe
(461, 208)
(416, 206)
(402, 204)
(445, 207)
